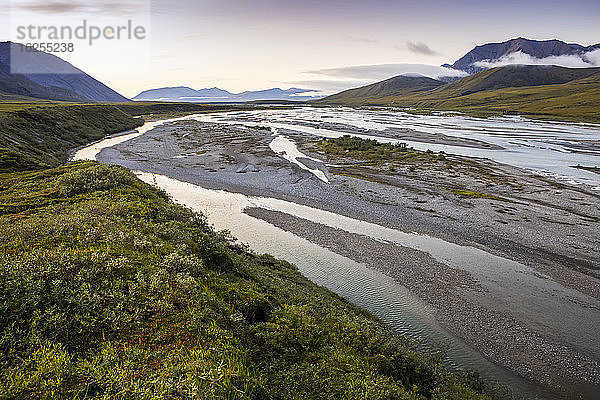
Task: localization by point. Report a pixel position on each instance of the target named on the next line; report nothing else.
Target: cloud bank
(585, 60)
(333, 80)
(384, 71)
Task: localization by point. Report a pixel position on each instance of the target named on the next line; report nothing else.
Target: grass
(577, 100)
(40, 137)
(109, 290)
(381, 154)
(392, 159)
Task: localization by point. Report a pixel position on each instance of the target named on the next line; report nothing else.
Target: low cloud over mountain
(584, 60)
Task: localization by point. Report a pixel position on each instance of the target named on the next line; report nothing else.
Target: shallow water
(394, 304)
(512, 283)
(288, 150)
(549, 148)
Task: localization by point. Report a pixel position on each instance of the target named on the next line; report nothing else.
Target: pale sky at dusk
(247, 45)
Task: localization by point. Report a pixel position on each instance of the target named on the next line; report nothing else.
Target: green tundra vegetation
(40, 137)
(541, 92)
(110, 290)
(372, 151)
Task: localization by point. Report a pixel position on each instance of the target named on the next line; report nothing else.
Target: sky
(328, 45)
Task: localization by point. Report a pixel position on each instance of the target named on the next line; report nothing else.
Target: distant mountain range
(54, 78)
(187, 94)
(538, 49)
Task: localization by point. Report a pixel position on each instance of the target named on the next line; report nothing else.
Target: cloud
(593, 57)
(50, 7)
(67, 7)
(360, 39)
(384, 71)
(420, 48)
(585, 60)
(326, 87)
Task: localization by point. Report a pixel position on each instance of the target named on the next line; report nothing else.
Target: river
(395, 305)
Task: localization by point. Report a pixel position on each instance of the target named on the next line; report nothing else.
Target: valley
(284, 205)
(428, 221)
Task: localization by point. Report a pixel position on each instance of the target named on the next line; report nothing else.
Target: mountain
(514, 76)
(20, 85)
(182, 92)
(542, 90)
(49, 77)
(534, 48)
(396, 86)
(212, 95)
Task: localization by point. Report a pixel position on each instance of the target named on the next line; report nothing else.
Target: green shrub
(109, 290)
(97, 177)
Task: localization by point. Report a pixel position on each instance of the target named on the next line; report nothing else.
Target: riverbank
(109, 289)
(521, 219)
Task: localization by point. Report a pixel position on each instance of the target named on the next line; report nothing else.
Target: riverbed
(516, 312)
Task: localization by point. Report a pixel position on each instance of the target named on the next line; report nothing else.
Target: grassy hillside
(40, 137)
(136, 108)
(519, 90)
(574, 101)
(513, 76)
(109, 290)
(396, 86)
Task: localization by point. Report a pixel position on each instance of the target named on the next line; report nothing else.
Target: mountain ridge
(535, 48)
(397, 85)
(50, 77)
(215, 94)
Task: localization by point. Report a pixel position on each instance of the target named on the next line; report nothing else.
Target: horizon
(310, 45)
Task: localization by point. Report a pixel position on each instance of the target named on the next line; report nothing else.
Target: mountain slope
(578, 100)
(514, 76)
(20, 85)
(534, 48)
(544, 91)
(39, 137)
(54, 78)
(396, 86)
